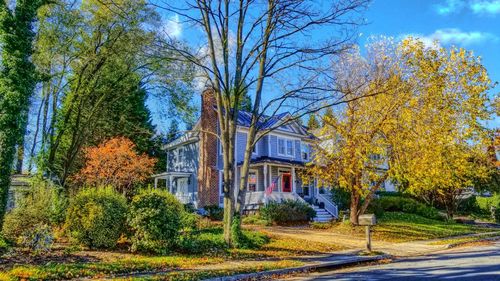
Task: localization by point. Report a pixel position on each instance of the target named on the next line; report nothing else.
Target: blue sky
(471, 24)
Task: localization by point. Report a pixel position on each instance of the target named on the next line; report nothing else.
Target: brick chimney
(208, 175)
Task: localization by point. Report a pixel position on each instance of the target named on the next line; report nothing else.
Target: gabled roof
(266, 122)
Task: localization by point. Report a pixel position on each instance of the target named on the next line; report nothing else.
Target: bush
(468, 205)
(287, 212)
(38, 240)
(155, 219)
(43, 203)
(4, 246)
(96, 217)
(485, 203)
(341, 197)
(403, 204)
(214, 212)
(206, 241)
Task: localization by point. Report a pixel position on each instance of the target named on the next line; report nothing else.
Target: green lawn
(402, 227)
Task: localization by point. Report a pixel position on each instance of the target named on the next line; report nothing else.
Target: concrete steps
(322, 215)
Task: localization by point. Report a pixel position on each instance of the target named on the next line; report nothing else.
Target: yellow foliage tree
(423, 131)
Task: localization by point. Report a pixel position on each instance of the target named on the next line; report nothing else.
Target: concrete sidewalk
(400, 249)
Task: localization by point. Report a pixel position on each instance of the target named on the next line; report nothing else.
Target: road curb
(306, 268)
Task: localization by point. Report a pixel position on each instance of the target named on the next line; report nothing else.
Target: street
(469, 263)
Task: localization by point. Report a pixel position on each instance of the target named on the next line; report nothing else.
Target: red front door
(286, 182)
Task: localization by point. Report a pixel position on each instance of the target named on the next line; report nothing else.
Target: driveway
(471, 263)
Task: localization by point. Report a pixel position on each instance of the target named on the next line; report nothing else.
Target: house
(195, 165)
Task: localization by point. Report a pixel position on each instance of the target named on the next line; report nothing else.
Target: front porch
(281, 177)
(181, 184)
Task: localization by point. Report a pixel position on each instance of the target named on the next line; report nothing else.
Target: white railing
(186, 198)
(330, 207)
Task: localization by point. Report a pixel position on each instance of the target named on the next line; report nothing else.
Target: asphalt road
(468, 263)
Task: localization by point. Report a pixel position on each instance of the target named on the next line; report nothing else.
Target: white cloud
(450, 7)
(457, 37)
(479, 7)
(173, 27)
(485, 7)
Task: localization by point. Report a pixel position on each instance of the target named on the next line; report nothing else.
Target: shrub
(403, 204)
(341, 197)
(4, 246)
(96, 217)
(468, 205)
(287, 212)
(214, 212)
(206, 241)
(38, 240)
(43, 203)
(155, 219)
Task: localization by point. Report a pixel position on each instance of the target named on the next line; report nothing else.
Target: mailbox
(368, 219)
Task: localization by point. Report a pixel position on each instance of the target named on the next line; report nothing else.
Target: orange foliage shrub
(115, 163)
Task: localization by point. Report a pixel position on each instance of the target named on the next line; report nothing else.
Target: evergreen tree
(313, 122)
(328, 114)
(17, 82)
(173, 131)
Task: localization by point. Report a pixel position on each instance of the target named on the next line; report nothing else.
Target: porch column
(170, 184)
(270, 174)
(265, 176)
(294, 187)
(156, 183)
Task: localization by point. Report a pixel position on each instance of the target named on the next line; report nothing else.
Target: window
(289, 147)
(252, 181)
(305, 151)
(285, 147)
(180, 155)
(281, 146)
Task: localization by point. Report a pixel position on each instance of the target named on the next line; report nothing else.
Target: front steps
(322, 215)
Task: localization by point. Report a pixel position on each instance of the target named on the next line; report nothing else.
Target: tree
(353, 151)
(111, 72)
(442, 121)
(255, 45)
(173, 131)
(313, 122)
(116, 163)
(423, 134)
(17, 81)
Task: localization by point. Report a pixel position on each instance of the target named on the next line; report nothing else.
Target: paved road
(471, 263)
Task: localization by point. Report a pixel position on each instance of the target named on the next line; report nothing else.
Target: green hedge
(287, 212)
(485, 205)
(403, 204)
(156, 218)
(96, 217)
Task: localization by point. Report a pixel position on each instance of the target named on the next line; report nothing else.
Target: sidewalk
(401, 249)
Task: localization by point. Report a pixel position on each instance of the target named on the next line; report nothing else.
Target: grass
(465, 239)
(263, 252)
(132, 263)
(285, 247)
(403, 227)
(212, 273)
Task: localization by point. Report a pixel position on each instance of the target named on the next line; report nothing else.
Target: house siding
(189, 161)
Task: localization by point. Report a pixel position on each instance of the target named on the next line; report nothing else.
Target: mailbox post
(368, 220)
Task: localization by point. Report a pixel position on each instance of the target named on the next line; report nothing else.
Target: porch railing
(330, 206)
(186, 198)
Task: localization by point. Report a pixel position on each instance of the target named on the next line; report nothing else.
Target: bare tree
(279, 48)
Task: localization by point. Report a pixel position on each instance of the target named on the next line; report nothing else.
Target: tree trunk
(20, 156)
(354, 207)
